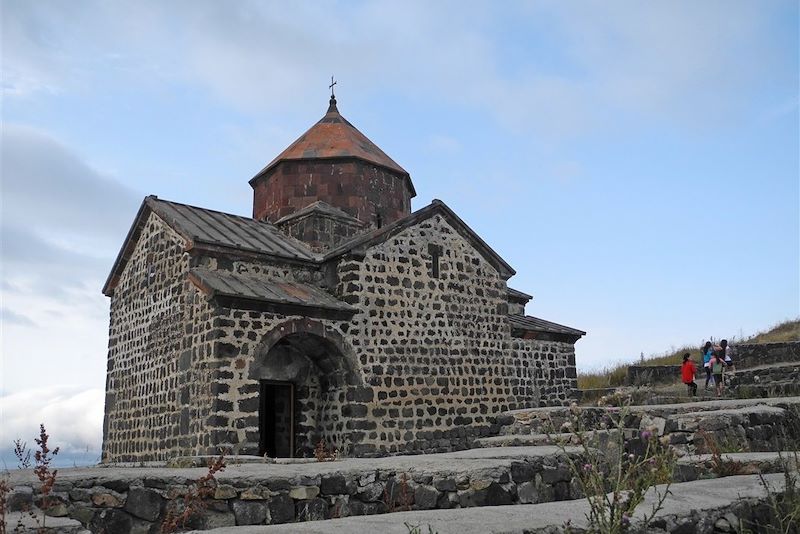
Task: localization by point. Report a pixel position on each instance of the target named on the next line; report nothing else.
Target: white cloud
(62, 222)
(72, 416)
(678, 60)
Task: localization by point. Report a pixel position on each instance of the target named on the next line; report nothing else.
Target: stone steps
(540, 420)
(739, 425)
(698, 507)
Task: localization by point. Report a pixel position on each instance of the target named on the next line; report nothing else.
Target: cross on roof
(331, 87)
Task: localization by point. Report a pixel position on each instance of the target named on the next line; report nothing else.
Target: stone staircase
(746, 425)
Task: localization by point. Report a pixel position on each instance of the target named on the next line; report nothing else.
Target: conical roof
(334, 137)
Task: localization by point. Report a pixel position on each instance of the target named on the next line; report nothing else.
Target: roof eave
(130, 241)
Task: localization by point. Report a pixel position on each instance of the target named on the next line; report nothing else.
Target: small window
(435, 251)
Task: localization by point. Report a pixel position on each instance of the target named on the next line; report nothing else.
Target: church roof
(220, 232)
(334, 137)
(250, 292)
(320, 208)
(210, 229)
(518, 296)
(534, 324)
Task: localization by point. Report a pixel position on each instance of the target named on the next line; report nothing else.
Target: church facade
(333, 314)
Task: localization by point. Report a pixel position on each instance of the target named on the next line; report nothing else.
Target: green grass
(614, 375)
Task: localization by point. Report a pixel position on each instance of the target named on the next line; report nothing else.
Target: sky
(635, 162)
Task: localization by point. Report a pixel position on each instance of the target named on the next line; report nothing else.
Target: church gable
(435, 208)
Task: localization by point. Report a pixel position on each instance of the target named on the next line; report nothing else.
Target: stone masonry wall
(544, 369)
(435, 350)
(242, 343)
(360, 189)
(321, 232)
(152, 351)
(425, 366)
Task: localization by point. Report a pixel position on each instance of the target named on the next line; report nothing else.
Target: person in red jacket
(688, 370)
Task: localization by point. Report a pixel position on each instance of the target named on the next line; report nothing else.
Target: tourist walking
(727, 354)
(688, 371)
(708, 352)
(717, 368)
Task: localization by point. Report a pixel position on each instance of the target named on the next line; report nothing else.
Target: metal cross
(331, 86)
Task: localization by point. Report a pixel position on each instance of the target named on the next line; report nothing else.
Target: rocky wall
(156, 354)
(126, 503)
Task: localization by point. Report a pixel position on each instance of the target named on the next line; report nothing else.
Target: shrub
(615, 477)
(194, 500)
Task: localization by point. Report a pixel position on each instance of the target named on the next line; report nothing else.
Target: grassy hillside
(615, 375)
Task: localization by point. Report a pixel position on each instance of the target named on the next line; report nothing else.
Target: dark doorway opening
(276, 419)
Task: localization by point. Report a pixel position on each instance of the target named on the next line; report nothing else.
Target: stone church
(333, 314)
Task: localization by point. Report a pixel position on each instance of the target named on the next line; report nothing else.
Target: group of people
(715, 359)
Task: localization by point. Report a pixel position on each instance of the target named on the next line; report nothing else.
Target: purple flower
(626, 519)
(587, 467)
(646, 435)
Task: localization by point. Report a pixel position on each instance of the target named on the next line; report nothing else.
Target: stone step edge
(709, 404)
(709, 502)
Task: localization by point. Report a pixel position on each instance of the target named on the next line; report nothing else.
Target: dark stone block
(249, 405)
(571, 372)
(446, 484)
(281, 509)
(218, 421)
(144, 503)
(226, 350)
(185, 419)
(333, 485)
(552, 476)
(354, 410)
(218, 388)
(19, 499)
(426, 497)
(120, 486)
(561, 490)
(355, 507)
(311, 510)
(360, 395)
(250, 512)
(497, 495)
(522, 472)
(111, 520)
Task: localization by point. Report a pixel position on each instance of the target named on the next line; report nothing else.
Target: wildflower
(587, 467)
(646, 435)
(626, 519)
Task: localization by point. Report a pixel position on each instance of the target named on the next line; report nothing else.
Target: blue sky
(637, 163)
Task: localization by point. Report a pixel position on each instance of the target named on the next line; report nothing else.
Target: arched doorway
(302, 378)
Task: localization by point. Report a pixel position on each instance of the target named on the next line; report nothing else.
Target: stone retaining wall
(126, 504)
(746, 356)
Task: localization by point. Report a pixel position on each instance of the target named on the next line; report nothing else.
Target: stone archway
(303, 370)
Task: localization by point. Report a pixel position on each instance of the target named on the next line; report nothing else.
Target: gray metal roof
(516, 294)
(527, 322)
(227, 284)
(321, 208)
(204, 226)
